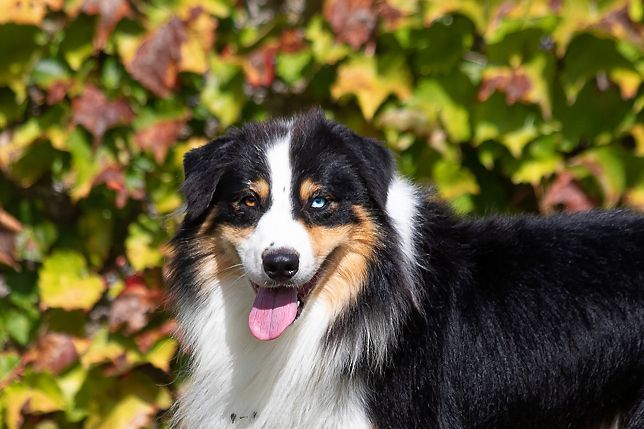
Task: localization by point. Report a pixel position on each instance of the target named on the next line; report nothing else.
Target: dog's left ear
(203, 167)
(376, 165)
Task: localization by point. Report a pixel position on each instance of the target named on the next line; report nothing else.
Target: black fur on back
(530, 322)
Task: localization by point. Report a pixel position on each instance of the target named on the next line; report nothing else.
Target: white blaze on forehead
(278, 227)
(279, 164)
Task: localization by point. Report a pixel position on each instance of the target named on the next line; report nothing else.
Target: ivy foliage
(503, 106)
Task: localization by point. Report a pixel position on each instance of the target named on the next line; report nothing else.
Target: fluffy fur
(415, 317)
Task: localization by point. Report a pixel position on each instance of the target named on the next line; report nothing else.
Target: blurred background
(503, 106)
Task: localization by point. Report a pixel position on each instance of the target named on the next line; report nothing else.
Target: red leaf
(516, 86)
(259, 66)
(292, 41)
(159, 137)
(57, 91)
(95, 112)
(353, 21)
(156, 62)
(9, 228)
(112, 176)
(148, 338)
(390, 15)
(110, 13)
(133, 307)
(564, 191)
(54, 352)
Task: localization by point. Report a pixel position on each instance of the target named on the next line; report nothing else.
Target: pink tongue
(273, 311)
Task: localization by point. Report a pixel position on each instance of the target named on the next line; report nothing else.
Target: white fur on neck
(402, 209)
(283, 383)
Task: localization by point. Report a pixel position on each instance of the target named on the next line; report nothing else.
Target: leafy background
(504, 106)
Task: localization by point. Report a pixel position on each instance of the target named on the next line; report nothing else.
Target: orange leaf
(110, 13)
(133, 306)
(353, 21)
(9, 228)
(259, 66)
(159, 137)
(54, 352)
(156, 61)
(564, 191)
(95, 112)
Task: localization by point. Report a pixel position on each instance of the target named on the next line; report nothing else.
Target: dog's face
(292, 208)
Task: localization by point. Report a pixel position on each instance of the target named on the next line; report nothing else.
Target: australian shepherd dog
(316, 288)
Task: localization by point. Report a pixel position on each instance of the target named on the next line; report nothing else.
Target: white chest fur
(240, 382)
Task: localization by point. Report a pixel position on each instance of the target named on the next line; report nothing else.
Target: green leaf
(445, 100)
(8, 361)
(65, 282)
(514, 126)
(143, 243)
(453, 180)
(19, 48)
(226, 104)
(325, 49)
(586, 56)
(96, 228)
(290, 67)
(10, 109)
(77, 41)
(19, 325)
(129, 402)
(34, 394)
(439, 48)
(372, 81)
(48, 71)
(606, 164)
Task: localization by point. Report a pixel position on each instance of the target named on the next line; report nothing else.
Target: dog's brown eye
(249, 201)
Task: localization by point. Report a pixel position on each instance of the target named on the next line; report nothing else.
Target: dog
(316, 288)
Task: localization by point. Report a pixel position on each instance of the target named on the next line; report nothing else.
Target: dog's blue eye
(319, 203)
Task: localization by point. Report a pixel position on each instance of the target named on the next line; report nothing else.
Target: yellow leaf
(18, 141)
(628, 81)
(102, 349)
(126, 45)
(65, 282)
(142, 248)
(473, 9)
(36, 394)
(362, 77)
(200, 39)
(162, 353)
(26, 12)
(218, 8)
(638, 134)
(130, 403)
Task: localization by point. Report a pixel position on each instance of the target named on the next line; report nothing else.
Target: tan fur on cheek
(347, 266)
(220, 261)
(324, 239)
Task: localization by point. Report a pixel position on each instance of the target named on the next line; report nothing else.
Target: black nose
(280, 264)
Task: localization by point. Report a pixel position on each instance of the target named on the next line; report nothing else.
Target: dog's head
(294, 207)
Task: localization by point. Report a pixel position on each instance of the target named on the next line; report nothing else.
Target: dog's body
(315, 288)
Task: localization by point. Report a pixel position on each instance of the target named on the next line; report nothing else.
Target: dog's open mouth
(276, 308)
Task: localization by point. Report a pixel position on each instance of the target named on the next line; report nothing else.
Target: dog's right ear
(203, 168)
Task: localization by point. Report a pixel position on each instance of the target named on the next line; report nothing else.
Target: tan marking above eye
(307, 189)
(261, 188)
